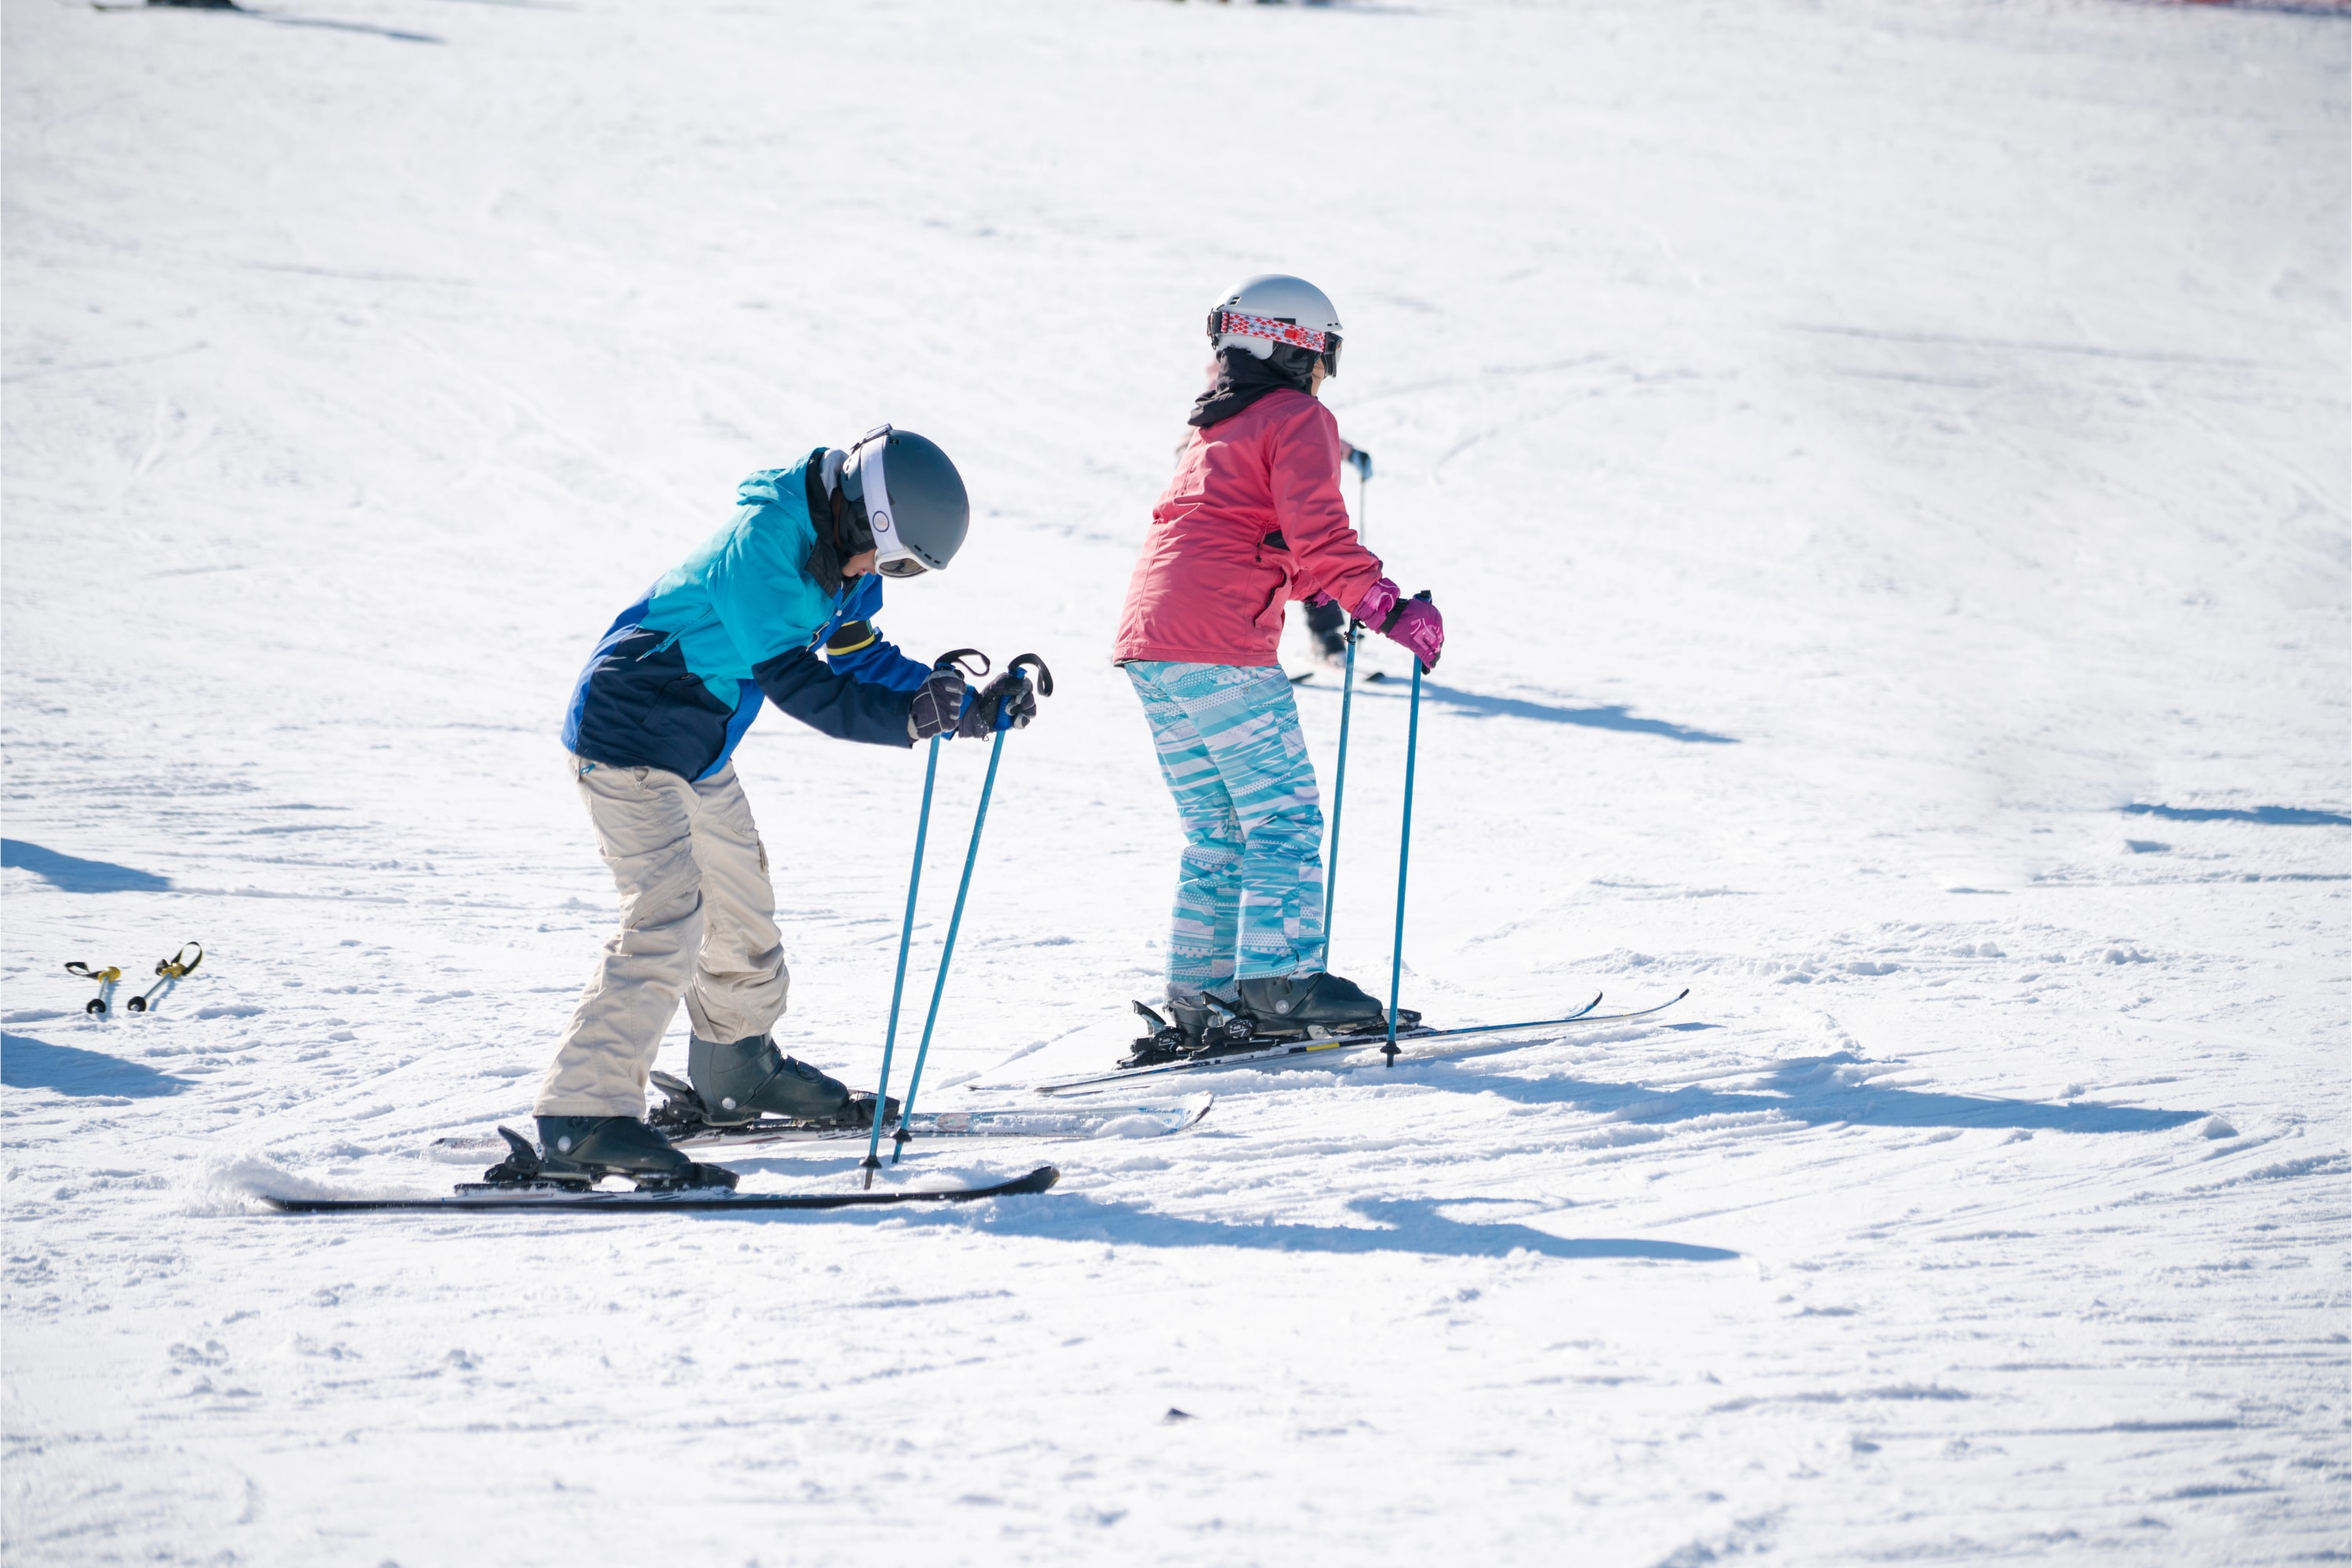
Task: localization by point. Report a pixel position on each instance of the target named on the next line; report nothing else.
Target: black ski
(1424, 1043)
(688, 1200)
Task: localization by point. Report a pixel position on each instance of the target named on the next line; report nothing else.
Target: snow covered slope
(1884, 464)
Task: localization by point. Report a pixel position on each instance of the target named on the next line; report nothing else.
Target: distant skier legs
(1249, 889)
(697, 920)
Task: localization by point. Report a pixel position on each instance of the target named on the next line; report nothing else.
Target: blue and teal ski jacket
(680, 674)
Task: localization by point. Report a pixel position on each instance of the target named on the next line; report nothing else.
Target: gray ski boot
(742, 1081)
(580, 1151)
(1317, 1003)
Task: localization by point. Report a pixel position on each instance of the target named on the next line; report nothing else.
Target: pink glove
(1416, 622)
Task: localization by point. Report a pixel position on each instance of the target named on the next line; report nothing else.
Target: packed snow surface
(1884, 467)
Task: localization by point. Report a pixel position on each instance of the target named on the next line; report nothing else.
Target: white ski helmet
(1276, 309)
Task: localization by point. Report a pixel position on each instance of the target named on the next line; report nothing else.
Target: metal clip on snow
(899, 1140)
(174, 970)
(1405, 855)
(107, 979)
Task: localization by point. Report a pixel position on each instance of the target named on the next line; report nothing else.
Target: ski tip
(1036, 1180)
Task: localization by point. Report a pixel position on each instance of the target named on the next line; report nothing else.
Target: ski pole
(947, 952)
(905, 940)
(1405, 856)
(1339, 788)
(173, 970)
(955, 921)
(107, 978)
(1361, 461)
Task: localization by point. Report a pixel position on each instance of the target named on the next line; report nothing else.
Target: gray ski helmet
(911, 498)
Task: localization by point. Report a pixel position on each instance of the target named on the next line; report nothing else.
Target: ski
(681, 1200)
(1299, 1053)
(926, 1125)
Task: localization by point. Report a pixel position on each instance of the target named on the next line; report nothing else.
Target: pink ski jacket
(1252, 519)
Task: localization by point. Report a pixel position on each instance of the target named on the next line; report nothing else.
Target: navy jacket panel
(637, 705)
(799, 683)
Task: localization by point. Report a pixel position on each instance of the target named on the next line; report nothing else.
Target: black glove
(1005, 703)
(939, 703)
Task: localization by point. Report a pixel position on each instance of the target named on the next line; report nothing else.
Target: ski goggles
(1280, 330)
(864, 481)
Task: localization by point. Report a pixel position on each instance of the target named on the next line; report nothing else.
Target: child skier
(1252, 519)
(655, 717)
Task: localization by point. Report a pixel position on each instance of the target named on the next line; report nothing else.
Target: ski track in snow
(1860, 447)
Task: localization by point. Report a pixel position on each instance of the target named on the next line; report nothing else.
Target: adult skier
(655, 716)
(1252, 519)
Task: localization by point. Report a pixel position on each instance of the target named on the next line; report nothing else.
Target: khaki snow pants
(697, 920)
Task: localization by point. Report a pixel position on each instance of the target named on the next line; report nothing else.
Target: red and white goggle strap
(1242, 325)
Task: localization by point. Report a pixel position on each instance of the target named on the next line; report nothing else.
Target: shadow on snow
(1407, 1224)
(75, 875)
(1612, 716)
(2268, 815)
(231, 8)
(28, 1063)
(1810, 1090)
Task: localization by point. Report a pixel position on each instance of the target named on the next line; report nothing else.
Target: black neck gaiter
(824, 563)
(1243, 378)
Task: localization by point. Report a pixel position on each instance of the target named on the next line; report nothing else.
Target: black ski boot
(861, 1110)
(580, 1150)
(1213, 1025)
(1321, 1005)
(747, 1078)
(1199, 1024)
(1166, 1043)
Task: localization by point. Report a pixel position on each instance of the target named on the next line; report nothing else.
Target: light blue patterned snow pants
(1249, 888)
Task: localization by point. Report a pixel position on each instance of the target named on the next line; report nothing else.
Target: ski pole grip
(1396, 612)
(1045, 676)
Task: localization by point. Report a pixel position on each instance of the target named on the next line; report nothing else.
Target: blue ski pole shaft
(1405, 860)
(898, 986)
(1339, 788)
(1363, 465)
(947, 954)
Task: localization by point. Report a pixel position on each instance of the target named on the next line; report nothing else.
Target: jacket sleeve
(1304, 465)
(797, 681)
(857, 649)
(869, 661)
